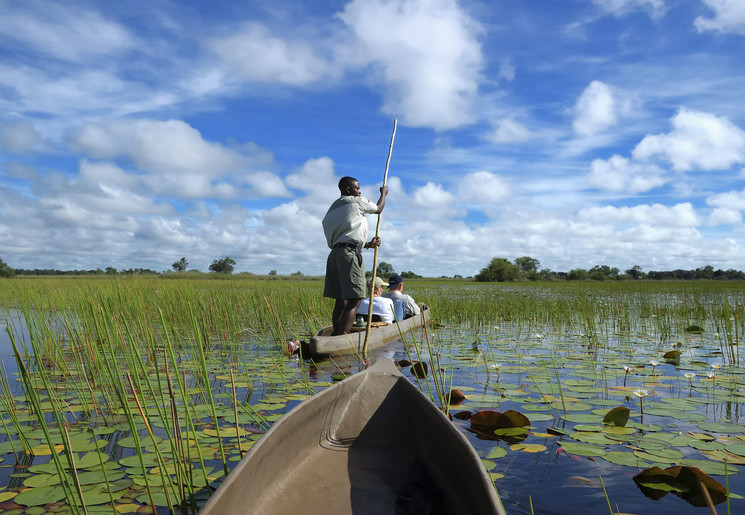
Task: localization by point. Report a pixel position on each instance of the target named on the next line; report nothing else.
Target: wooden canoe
(372, 443)
(323, 345)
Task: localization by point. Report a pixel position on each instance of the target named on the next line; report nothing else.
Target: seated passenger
(382, 307)
(396, 293)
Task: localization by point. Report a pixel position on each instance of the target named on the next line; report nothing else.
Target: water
(518, 366)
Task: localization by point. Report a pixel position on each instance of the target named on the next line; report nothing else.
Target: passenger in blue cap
(396, 294)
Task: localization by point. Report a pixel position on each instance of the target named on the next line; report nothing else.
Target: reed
(167, 356)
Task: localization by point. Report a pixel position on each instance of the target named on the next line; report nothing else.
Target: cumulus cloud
(729, 200)
(723, 216)
(598, 108)
(159, 146)
(261, 56)
(18, 136)
(729, 16)
(65, 31)
(427, 54)
(267, 184)
(698, 141)
(483, 187)
(679, 215)
(621, 7)
(623, 175)
(433, 197)
(508, 130)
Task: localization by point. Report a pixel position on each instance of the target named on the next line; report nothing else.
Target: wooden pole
(375, 255)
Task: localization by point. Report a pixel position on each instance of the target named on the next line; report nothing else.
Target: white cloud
(655, 215)
(698, 141)
(484, 187)
(507, 70)
(427, 53)
(621, 7)
(433, 197)
(734, 200)
(623, 175)
(261, 56)
(598, 108)
(508, 130)
(64, 30)
(170, 146)
(723, 216)
(729, 16)
(266, 184)
(18, 136)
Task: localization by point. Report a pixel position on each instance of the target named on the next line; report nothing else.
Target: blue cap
(394, 281)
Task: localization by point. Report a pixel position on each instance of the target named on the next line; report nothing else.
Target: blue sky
(580, 132)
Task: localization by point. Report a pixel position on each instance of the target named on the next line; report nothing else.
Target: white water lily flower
(641, 393)
(627, 368)
(711, 375)
(497, 366)
(690, 375)
(654, 363)
(716, 366)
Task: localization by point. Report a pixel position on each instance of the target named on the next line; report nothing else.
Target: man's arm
(381, 200)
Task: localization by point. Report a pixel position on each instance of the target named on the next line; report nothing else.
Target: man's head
(378, 286)
(349, 186)
(395, 282)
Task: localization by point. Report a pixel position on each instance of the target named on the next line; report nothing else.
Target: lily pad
(618, 416)
(581, 449)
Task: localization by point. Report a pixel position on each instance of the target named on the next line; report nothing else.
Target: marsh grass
(201, 363)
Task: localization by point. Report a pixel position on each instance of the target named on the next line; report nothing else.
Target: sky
(575, 132)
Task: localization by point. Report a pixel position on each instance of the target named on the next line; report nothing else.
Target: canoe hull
(370, 444)
(353, 343)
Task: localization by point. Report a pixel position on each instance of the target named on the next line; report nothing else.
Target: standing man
(396, 292)
(345, 228)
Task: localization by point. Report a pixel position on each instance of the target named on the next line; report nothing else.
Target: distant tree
(578, 274)
(297, 274)
(635, 272)
(5, 270)
(223, 266)
(603, 272)
(456, 276)
(272, 273)
(385, 270)
(410, 275)
(180, 265)
(498, 270)
(110, 270)
(547, 274)
(706, 272)
(527, 264)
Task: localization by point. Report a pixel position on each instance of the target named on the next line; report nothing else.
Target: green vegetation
(5, 270)
(225, 265)
(128, 372)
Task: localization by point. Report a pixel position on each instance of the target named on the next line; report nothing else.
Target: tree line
(499, 269)
(528, 269)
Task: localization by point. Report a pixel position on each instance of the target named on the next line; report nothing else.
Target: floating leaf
(716, 427)
(618, 416)
(581, 449)
(628, 459)
(528, 447)
(455, 396)
(40, 496)
(496, 453)
(673, 355)
(419, 369)
(683, 481)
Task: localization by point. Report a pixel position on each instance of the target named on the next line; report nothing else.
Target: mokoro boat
(372, 443)
(322, 344)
